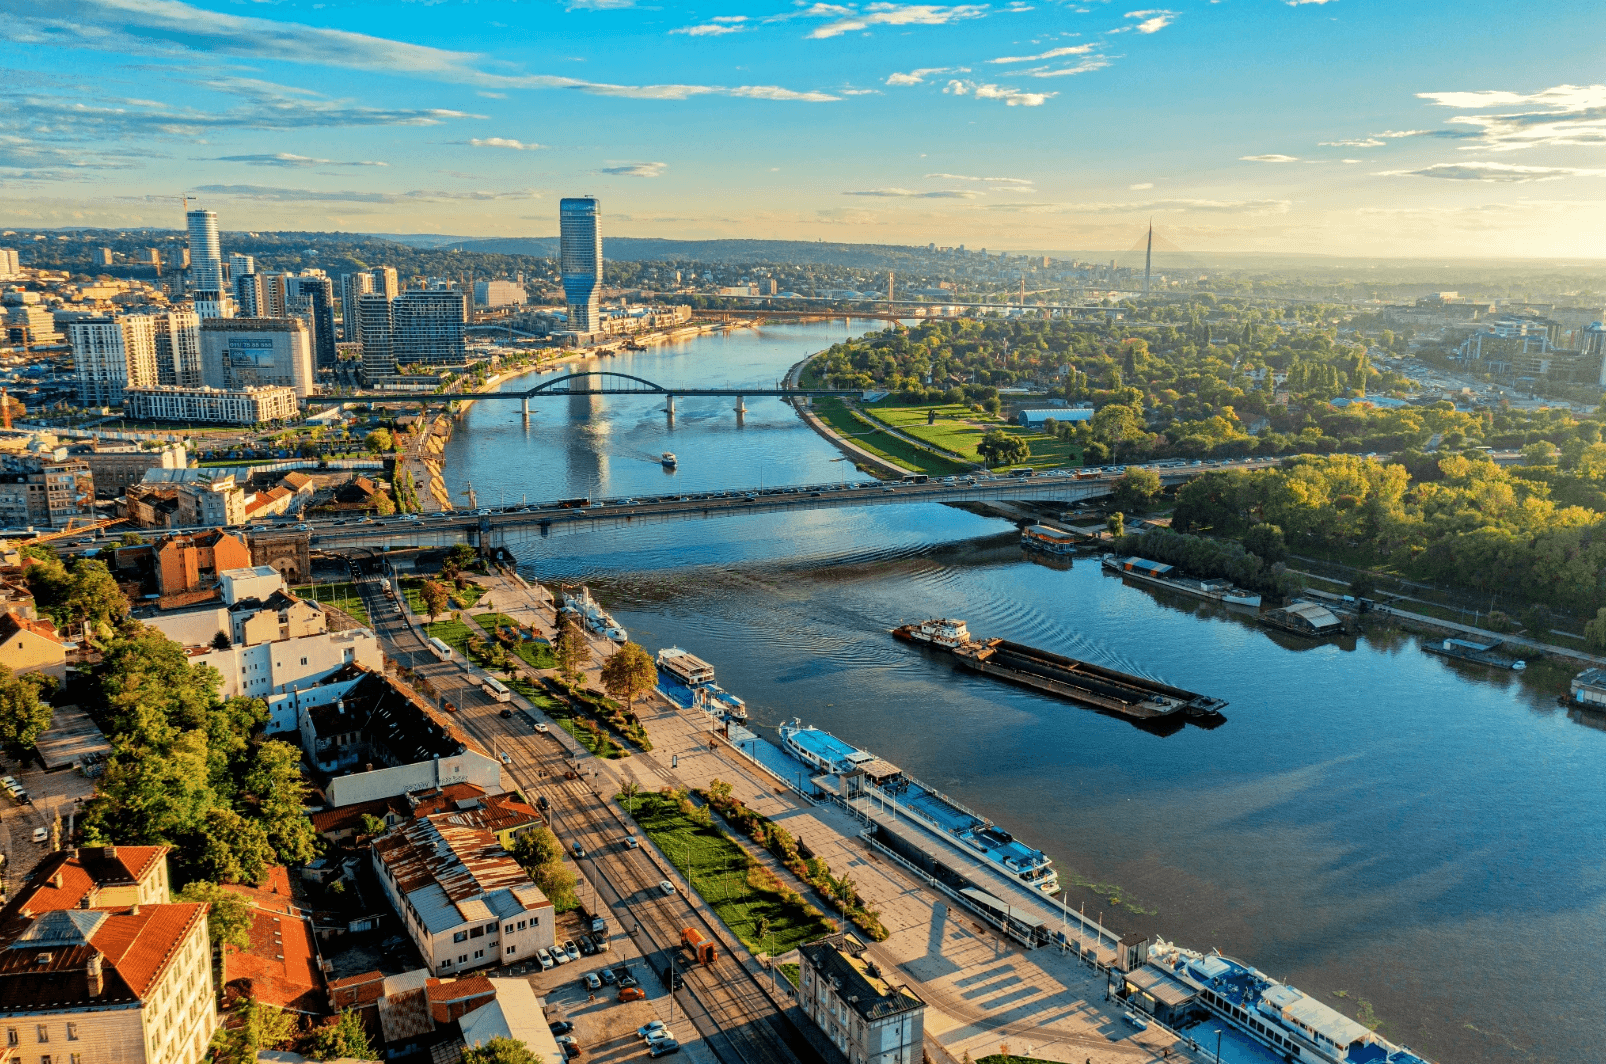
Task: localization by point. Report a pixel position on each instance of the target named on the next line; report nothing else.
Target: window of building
(72, 1032)
(77, 1058)
(512, 950)
(44, 1060)
(479, 953)
(478, 932)
(11, 1037)
(447, 963)
(508, 930)
(490, 929)
(462, 959)
(44, 1033)
(461, 936)
(521, 925)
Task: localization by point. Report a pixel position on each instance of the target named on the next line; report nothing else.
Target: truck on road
(701, 947)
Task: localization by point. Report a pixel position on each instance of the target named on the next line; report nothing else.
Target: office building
(1594, 345)
(376, 322)
(10, 267)
(498, 294)
(319, 293)
(36, 322)
(464, 902)
(856, 1005)
(245, 406)
(240, 265)
(206, 266)
(239, 353)
(178, 348)
(116, 464)
(428, 327)
(580, 260)
(386, 281)
(248, 295)
(110, 354)
(353, 285)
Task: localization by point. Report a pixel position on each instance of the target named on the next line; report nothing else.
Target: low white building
(465, 903)
(514, 1013)
(467, 767)
(239, 406)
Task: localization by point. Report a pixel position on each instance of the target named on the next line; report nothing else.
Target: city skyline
(1345, 127)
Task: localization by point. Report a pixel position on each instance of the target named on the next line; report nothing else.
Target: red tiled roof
(62, 880)
(140, 945)
(280, 967)
(11, 624)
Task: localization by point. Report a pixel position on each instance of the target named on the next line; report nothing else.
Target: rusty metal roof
(454, 871)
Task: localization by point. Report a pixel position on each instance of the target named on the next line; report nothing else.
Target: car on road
(579, 851)
(630, 842)
(40, 835)
(507, 714)
(571, 949)
(666, 886)
(664, 1048)
(542, 728)
(505, 759)
(592, 982)
(561, 1027)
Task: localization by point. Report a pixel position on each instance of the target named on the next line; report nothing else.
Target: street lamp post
(1218, 1045)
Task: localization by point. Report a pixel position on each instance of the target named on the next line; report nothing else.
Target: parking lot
(50, 793)
(605, 1028)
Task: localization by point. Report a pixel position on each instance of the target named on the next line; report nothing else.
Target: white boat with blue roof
(972, 833)
(688, 681)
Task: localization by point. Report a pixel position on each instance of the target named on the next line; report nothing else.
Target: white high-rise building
(110, 354)
(206, 266)
(240, 265)
(428, 327)
(386, 281)
(255, 352)
(10, 268)
(178, 348)
(580, 260)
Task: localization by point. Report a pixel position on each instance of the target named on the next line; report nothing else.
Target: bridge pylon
(669, 407)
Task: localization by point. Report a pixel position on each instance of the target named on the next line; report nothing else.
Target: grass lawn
(955, 430)
(883, 444)
(453, 633)
(537, 653)
(469, 595)
(343, 596)
(789, 972)
(718, 869)
(598, 744)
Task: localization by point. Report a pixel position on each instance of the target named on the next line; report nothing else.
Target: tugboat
(669, 460)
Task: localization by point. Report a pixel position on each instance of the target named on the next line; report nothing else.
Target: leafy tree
(221, 641)
(1138, 487)
(541, 855)
(229, 916)
(373, 825)
(279, 794)
(436, 598)
(343, 1039)
(1595, 630)
(572, 649)
(254, 1028)
(23, 716)
(1267, 542)
(132, 539)
(379, 441)
(500, 1051)
(536, 847)
(229, 848)
(998, 447)
(629, 673)
(461, 556)
(1116, 523)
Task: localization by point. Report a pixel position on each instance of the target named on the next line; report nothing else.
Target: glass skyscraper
(580, 260)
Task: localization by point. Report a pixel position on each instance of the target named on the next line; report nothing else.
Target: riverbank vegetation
(768, 916)
(865, 434)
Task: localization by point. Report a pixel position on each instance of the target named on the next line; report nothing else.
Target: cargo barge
(1079, 681)
(975, 835)
(1158, 574)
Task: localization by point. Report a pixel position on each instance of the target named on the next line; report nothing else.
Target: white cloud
(173, 28)
(1153, 21)
(288, 160)
(1561, 116)
(847, 20)
(635, 170)
(1141, 186)
(989, 180)
(916, 77)
(1301, 3)
(1498, 172)
(1091, 63)
(904, 193)
(709, 29)
(1052, 53)
(1357, 142)
(307, 195)
(1011, 97)
(1169, 206)
(775, 92)
(1269, 158)
(505, 142)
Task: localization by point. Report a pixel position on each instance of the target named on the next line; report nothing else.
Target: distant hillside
(650, 249)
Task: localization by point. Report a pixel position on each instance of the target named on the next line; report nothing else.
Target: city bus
(440, 649)
(496, 690)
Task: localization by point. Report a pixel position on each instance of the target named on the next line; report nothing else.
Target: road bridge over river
(509, 527)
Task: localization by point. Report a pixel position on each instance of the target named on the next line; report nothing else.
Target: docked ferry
(1047, 539)
(973, 834)
(1187, 989)
(688, 681)
(1158, 574)
(584, 608)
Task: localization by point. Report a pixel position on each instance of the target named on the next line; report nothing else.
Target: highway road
(726, 1002)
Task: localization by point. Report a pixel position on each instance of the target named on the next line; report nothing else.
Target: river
(1371, 822)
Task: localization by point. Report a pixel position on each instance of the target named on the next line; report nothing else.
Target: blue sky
(1352, 127)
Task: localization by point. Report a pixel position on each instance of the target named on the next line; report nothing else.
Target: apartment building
(428, 327)
(243, 406)
(465, 903)
(239, 353)
(46, 488)
(111, 354)
(178, 348)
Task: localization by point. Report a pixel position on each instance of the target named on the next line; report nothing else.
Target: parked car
(40, 834)
(587, 947)
(559, 956)
(571, 949)
(561, 1027)
(664, 1048)
(592, 982)
(648, 1030)
(607, 976)
(631, 993)
(545, 958)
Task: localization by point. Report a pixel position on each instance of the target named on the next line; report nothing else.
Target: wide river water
(1371, 823)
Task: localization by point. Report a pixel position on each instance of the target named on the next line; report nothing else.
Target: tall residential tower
(206, 266)
(580, 260)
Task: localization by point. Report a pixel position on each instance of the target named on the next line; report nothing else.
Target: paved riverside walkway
(982, 990)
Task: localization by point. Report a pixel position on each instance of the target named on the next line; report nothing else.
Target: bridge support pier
(526, 406)
(669, 407)
(741, 410)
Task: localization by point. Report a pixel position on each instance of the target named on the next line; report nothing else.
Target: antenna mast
(1148, 258)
